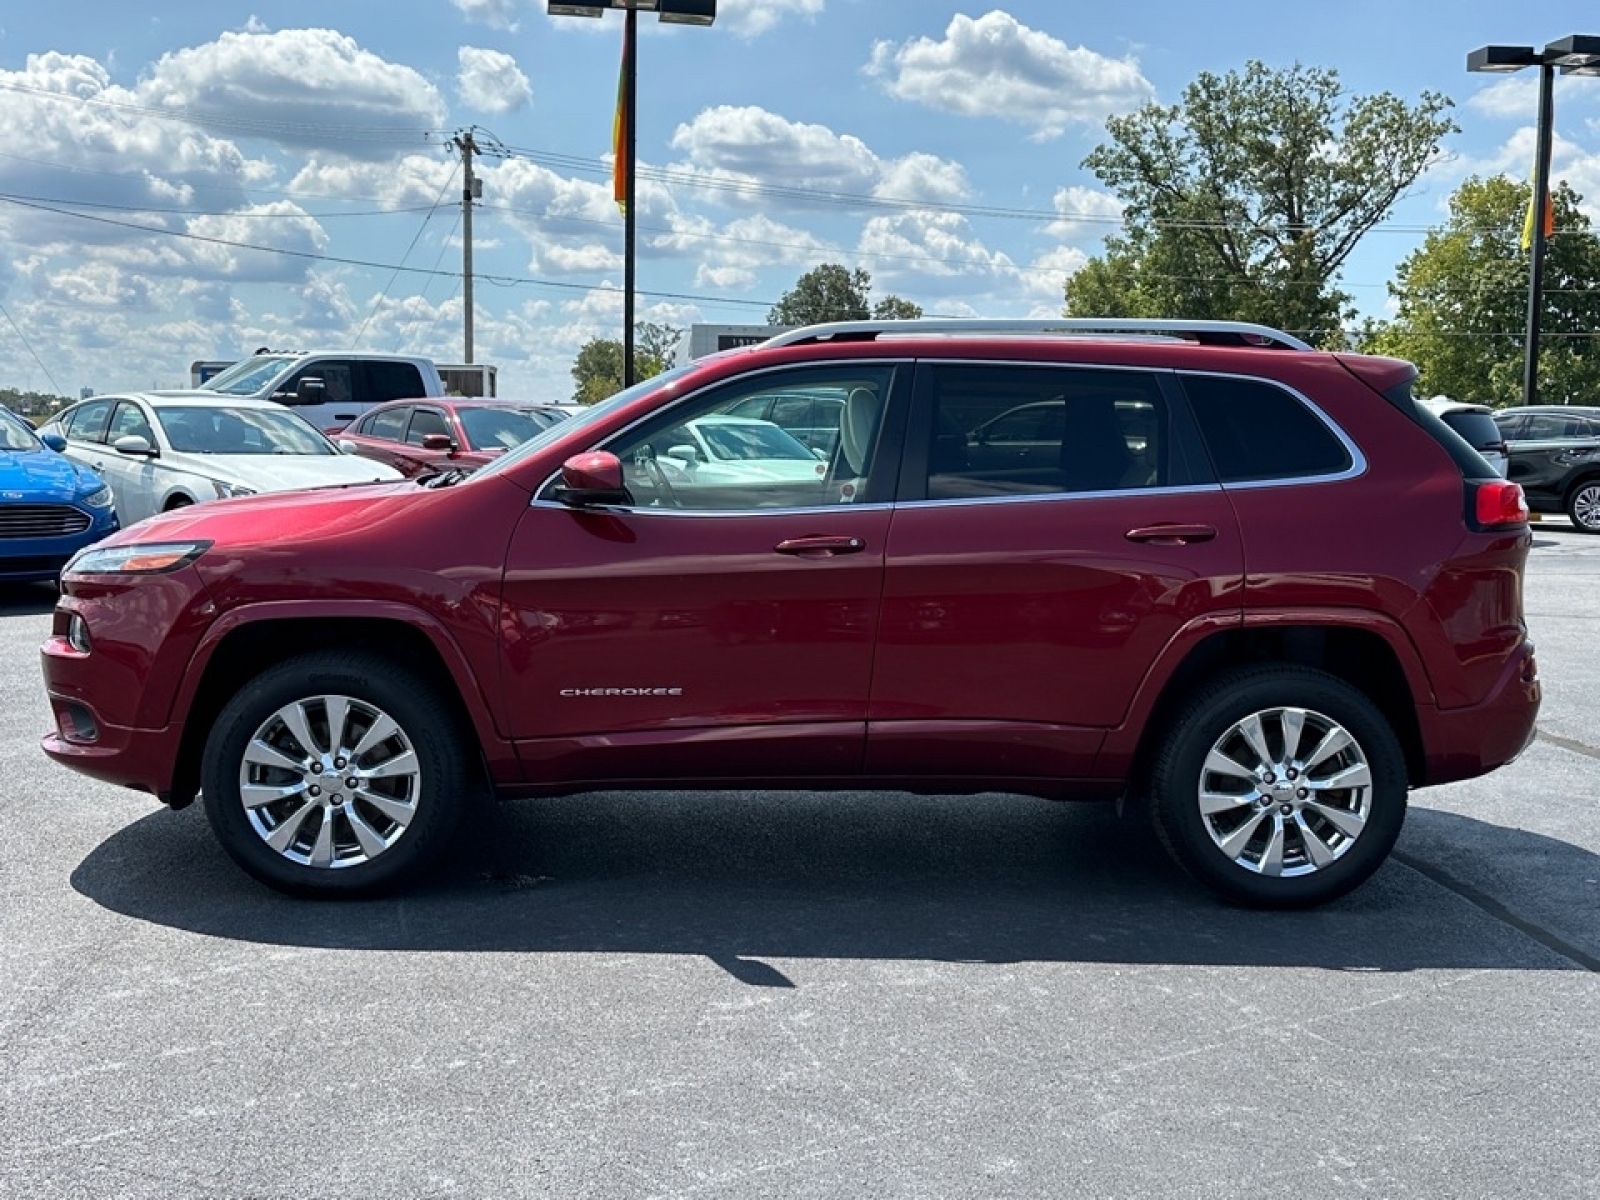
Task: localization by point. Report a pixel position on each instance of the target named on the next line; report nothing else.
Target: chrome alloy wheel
(1285, 792)
(329, 781)
(1585, 507)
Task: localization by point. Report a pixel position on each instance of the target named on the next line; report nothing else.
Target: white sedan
(162, 452)
(714, 450)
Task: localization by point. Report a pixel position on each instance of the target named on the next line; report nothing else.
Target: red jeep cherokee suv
(1252, 587)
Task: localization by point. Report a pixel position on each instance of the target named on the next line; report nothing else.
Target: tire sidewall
(1176, 776)
(414, 706)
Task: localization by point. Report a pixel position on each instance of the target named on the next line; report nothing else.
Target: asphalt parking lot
(808, 996)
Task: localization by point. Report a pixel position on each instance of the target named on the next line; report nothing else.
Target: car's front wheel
(334, 774)
(1583, 506)
(1279, 787)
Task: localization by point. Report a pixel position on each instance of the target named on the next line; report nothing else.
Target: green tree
(834, 293)
(1243, 201)
(597, 371)
(893, 308)
(1462, 299)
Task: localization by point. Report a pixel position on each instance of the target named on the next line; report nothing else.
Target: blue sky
(183, 182)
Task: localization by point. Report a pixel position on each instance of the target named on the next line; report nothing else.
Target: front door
(722, 625)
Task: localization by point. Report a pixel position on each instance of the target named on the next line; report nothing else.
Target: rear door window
(1257, 431)
(1014, 430)
(391, 381)
(389, 424)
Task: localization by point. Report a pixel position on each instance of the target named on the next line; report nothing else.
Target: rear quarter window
(1259, 431)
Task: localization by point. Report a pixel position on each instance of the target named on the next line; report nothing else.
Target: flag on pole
(619, 137)
(1528, 220)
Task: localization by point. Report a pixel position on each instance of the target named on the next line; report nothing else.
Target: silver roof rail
(1215, 333)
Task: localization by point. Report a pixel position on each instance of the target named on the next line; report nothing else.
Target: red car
(417, 437)
(1247, 586)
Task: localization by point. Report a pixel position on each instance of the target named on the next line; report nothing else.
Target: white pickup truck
(328, 389)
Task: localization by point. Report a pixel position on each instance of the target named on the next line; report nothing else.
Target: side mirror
(135, 445)
(592, 480)
(687, 454)
(438, 441)
(54, 440)
(346, 446)
(311, 390)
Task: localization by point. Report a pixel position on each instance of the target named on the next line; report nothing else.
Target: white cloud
(994, 66)
(498, 14)
(751, 18)
(297, 87)
(490, 81)
(931, 246)
(748, 147)
(1084, 213)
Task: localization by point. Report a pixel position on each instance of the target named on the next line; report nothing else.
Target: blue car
(50, 507)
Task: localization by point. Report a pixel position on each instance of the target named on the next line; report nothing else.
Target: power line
(339, 260)
(28, 346)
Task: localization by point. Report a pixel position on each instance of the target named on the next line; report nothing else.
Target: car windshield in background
(210, 429)
(248, 377)
(751, 440)
(502, 428)
(16, 436)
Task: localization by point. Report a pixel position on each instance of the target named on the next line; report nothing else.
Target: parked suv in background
(1555, 456)
(1476, 425)
(1200, 601)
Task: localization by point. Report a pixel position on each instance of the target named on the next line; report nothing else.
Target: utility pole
(471, 189)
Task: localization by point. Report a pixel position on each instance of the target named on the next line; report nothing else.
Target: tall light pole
(673, 12)
(1576, 54)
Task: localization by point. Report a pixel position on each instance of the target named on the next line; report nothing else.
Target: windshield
(736, 440)
(584, 419)
(214, 429)
(15, 435)
(248, 377)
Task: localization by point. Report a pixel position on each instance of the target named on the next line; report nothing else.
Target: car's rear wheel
(334, 774)
(1583, 506)
(1279, 787)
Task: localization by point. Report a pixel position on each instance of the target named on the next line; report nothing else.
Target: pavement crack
(1572, 744)
(1491, 907)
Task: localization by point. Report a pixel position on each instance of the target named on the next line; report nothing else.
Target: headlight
(148, 558)
(99, 498)
(226, 491)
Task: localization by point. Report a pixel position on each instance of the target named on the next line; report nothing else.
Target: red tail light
(1498, 504)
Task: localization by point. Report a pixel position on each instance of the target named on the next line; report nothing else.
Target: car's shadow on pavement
(26, 598)
(743, 878)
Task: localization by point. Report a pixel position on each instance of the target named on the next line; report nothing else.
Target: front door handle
(820, 546)
(1171, 535)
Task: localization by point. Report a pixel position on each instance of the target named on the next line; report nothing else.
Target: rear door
(1027, 593)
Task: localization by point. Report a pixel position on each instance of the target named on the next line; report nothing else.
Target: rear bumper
(1462, 743)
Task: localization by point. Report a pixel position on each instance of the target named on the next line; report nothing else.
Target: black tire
(330, 838)
(1583, 506)
(1271, 831)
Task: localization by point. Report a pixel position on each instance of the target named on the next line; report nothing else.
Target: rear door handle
(1171, 535)
(820, 546)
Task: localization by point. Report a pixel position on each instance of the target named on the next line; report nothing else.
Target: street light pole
(1576, 54)
(1540, 204)
(671, 12)
(630, 91)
